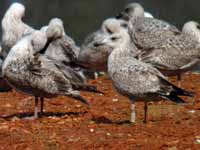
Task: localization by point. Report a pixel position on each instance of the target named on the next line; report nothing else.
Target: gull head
(38, 40)
(55, 29)
(131, 10)
(112, 25)
(17, 10)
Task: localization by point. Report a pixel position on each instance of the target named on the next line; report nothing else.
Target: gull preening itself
(29, 71)
(13, 28)
(61, 47)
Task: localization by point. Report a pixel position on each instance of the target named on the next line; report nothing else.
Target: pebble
(115, 100)
(192, 111)
(108, 134)
(92, 130)
(172, 148)
(197, 141)
(8, 105)
(3, 127)
(15, 119)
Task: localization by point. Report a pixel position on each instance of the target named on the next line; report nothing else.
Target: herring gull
(29, 71)
(132, 10)
(92, 53)
(13, 28)
(171, 51)
(63, 48)
(136, 79)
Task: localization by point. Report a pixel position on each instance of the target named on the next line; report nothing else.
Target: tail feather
(174, 98)
(178, 91)
(89, 88)
(81, 99)
(78, 97)
(172, 92)
(183, 92)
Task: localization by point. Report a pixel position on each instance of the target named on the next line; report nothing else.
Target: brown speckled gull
(192, 29)
(92, 53)
(33, 73)
(63, 48)
(13, 29)
(162, 45)
(136, 79)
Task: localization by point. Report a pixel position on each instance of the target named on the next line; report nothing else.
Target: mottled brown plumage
(136, 79)
(164, 46)
(13, 29)
(28, 71)
(93, 53)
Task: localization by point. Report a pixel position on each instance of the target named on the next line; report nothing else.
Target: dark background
(81, 17)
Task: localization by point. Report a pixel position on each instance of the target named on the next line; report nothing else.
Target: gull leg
(96, 75)
(179, 80)
(36, 108)
(145, 111)
(41, 105)
(133, 112)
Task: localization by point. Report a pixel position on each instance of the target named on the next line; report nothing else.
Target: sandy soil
(68, 124)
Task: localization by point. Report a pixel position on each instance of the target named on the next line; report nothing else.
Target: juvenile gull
(13, 28)
(93, 54)
(138, 80)
(147, 27)
(192, 29)
(29, 71)
(162, 45)
(131, 10)
(63, 48)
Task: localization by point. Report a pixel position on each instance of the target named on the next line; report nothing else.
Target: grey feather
(164, 46)
(13, 28)
(38, 75)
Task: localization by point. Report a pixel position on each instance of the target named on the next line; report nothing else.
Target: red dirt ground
(70, 125)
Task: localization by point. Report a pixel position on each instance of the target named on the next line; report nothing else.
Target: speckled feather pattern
(38, 75)
(163, 46)
(132, 77)
(63, 49)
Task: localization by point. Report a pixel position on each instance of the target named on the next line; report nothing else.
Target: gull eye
(97, 44)
(108, 30)
(114, 38)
